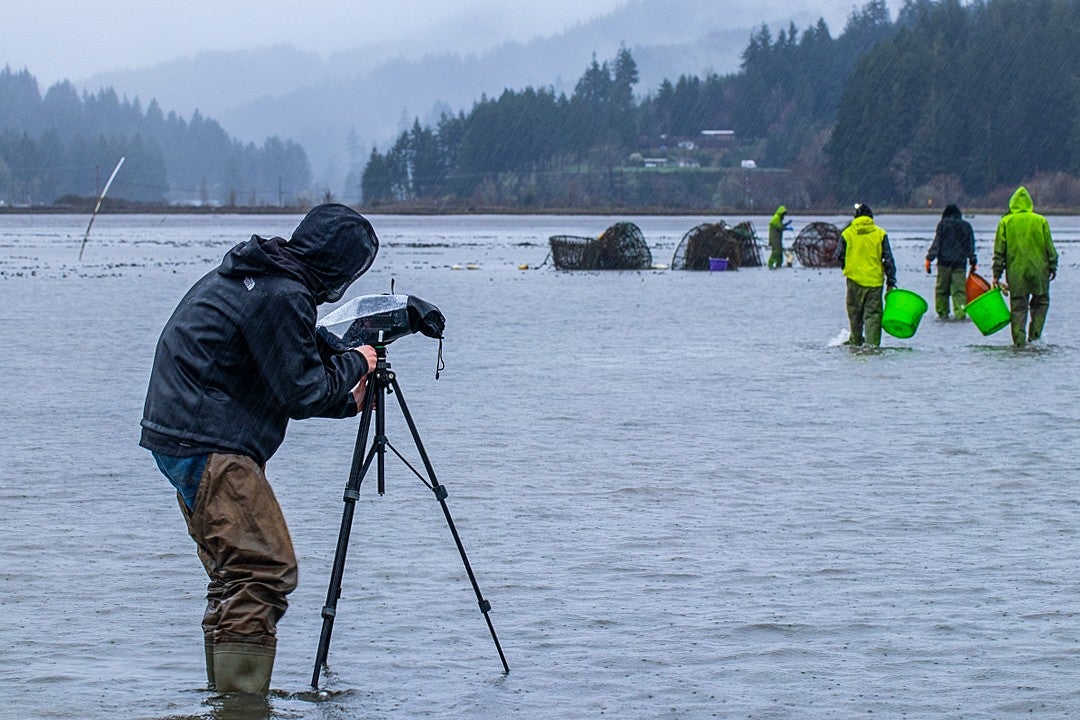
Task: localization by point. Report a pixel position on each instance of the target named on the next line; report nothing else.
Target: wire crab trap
(815, 245)
(708, 240)
(738, 245)
(621, 247)
(751, 248)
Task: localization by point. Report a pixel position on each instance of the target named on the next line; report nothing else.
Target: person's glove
(928, 266)
(1053, 274)
(972, 268)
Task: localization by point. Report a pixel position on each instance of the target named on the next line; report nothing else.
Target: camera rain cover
(359, 321)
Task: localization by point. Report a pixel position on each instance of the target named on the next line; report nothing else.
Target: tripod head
(380, 349)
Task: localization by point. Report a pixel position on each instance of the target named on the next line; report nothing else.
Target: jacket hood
(331, 247)
(337, 244)
(264, 256)
(1021, 201)
(780, 212)
(951, 210)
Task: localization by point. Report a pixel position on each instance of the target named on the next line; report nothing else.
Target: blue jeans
(184, 474)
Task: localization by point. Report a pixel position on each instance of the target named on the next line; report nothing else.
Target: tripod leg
(359, 468)
(380, 439)
(440, 495)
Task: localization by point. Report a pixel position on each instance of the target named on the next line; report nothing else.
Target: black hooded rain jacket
(240, 355)
(954, 240)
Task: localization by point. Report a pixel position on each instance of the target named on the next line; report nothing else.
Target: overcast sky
(74, 39)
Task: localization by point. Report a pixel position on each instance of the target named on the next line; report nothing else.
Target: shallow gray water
(681, 497)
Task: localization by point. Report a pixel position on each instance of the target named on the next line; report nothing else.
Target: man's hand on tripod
(359, 391)
(369, 355)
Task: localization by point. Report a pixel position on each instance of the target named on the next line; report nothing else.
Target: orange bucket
(975, 286)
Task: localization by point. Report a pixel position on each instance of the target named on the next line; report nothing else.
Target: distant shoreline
(406, 210)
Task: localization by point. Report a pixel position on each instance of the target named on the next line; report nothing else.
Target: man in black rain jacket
(954, 248)
(237, 360)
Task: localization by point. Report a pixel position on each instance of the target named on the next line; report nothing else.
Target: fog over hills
(340, 106)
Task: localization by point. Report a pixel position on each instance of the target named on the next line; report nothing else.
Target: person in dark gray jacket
(954, 248)
(237, 360)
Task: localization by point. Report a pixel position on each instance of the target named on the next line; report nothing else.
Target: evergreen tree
(375, 185)
(622, 106)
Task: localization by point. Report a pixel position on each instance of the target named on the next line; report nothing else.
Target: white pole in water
(98, 206)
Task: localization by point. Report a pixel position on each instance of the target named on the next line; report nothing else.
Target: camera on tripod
(361, 320)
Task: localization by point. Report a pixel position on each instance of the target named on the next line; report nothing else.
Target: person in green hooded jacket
(777, 226)
(1025, 253)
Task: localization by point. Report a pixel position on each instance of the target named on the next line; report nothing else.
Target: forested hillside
(63, 144)
(963, 99)
(538, 147)
(948, 100)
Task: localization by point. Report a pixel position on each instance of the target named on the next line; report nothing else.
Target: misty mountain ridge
(341, 107)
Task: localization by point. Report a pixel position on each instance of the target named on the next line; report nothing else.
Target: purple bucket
(717, 263)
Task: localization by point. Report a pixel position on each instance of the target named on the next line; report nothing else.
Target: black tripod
(383, 382)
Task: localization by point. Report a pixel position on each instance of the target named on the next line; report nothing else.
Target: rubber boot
(209, 648)
(242, 668)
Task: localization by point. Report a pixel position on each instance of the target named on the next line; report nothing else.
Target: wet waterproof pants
(951, 283)
(244, 545)
(776, 258)
(864, 313)
(1020, 305)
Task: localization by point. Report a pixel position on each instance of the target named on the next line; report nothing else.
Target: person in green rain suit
(1024, 251)
(777, 226)
(867, 261)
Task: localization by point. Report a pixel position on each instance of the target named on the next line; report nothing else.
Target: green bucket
(989, 311)
(903, 311)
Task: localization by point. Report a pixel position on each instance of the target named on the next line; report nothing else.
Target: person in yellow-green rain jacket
(867, 260)
(1025, 253)
(777, 226)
